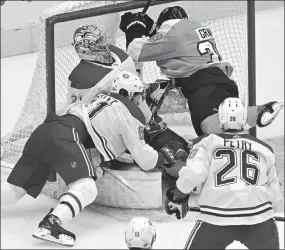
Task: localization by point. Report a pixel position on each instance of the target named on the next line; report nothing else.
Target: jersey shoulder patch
(192, 153)
(155, 37)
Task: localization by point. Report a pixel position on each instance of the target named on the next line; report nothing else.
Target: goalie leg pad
(81, 193)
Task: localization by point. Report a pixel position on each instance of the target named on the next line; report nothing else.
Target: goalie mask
(232, 115)
(90, 43)
(140, 233)
(127, 84)
(175, 12)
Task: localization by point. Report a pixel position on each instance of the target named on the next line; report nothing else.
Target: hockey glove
(176, 205)
(135, 25)
(169, 156)
(152, 129)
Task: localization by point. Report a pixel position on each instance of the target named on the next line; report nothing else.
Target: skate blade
(273, 116)
(69, 242)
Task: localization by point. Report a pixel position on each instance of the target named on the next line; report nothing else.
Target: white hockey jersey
(238, 173)
(89, 78)
(180, 48)
(115, 124)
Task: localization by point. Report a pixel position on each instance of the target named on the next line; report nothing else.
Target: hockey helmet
(175, 12)
(127, 84)
(140, 233)
(90, 43)
(232, 115)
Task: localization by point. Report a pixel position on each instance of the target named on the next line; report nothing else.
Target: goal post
(251, 57)
(232, 24)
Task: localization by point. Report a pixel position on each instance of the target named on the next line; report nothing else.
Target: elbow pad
(184, 181)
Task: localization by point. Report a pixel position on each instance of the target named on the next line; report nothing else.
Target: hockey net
(57, 58)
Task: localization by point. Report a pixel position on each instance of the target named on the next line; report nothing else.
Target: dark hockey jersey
(90, 78)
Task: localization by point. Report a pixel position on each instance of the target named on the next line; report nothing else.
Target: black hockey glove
(152, 129)
(176, 205)
(169, 156)
(135, 25)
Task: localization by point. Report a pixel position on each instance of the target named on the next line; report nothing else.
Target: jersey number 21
(209, 48)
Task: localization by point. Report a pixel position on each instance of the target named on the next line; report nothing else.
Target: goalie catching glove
(176, 203)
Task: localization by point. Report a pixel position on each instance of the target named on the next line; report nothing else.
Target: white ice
(94, 230)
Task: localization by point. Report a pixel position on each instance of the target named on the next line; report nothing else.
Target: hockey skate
(50, 230)
(268, 112)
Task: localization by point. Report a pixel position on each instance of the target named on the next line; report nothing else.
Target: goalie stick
(124, 182)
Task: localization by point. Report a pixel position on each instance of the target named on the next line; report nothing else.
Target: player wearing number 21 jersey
(187, 51)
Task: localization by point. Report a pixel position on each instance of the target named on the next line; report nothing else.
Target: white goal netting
(226, 19)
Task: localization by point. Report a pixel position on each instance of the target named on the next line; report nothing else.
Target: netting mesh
(226, 19)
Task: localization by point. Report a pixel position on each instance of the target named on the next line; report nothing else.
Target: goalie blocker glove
(135, 25)
(176, 203)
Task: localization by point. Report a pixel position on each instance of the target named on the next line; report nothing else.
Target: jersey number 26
(249, 170)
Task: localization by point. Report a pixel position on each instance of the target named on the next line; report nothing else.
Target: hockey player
(240, 192)
(186, 50)
(140, 234)
(114, 122)
(99, 64)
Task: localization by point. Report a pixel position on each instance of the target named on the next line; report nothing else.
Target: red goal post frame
(50, 23)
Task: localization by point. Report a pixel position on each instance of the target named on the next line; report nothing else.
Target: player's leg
(262, 116)
(28, 175)
(262, 236)
(208, 236)
(71, 161)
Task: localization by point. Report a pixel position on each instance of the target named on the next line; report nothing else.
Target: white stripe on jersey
(193, 234)
(236, 212)
(88, 163)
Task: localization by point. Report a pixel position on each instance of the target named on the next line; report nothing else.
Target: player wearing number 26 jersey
(187, 51)
(240, 191)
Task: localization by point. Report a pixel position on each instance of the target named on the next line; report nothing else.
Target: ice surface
(94, 230)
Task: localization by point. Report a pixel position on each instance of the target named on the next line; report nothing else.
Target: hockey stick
(196, 209)
(157, 107)
(124, 182)
(147, 6)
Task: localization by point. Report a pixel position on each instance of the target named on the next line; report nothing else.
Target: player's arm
(141, 48)
(161, 46)
(274, 187)
(144, 155)
(197, 168)
(192, 175)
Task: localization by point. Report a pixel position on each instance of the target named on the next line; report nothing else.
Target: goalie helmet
(232, 115)
(140, 233)
(127, 84)
(90, 43)
(175, 12)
